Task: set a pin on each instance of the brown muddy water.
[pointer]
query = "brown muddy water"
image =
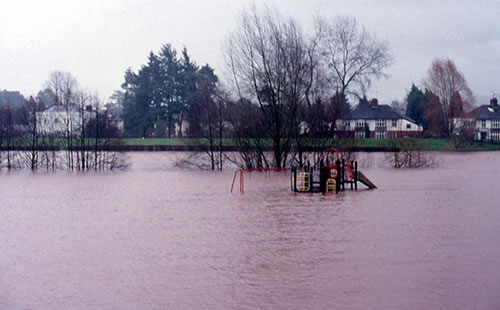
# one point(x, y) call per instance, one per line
point(156, 237)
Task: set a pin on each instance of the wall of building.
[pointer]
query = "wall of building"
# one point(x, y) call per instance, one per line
point(485, 129)
point(373, 125)
point(58, 122)
point(488, 129)
point(379, 129)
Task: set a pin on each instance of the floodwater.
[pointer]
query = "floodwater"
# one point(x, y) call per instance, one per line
point(156, 237)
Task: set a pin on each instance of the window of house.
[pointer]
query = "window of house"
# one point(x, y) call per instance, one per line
point(360, 123)
point(381, 123)
point(379, 134)
point(347, 124)
point(359, 134)
point(495, 135)
point(394, 123)
point(408, 126)
point(495, 123)
point(483, 123)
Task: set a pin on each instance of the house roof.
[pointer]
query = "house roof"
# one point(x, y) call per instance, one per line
point(489, 112)
point(376, 111)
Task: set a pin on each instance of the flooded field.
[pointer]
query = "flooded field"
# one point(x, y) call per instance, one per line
point(156, 237)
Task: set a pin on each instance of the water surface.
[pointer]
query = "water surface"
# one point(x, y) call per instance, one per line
point(156, 237)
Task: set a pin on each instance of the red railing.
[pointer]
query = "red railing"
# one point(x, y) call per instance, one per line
point(326, 152)
point(242, 177)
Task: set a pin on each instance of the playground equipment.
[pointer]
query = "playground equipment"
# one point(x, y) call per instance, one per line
point(241, 172)
point(333, 175)
point(328, 178)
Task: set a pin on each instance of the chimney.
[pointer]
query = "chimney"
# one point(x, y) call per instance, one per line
point(494, 102)
point(374, 102)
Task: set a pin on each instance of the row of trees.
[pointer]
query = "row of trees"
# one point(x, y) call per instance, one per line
point(283, 86)
point(75, 133)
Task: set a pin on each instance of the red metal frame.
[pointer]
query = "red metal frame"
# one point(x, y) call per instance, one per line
point(338, 153)
point(242, 177)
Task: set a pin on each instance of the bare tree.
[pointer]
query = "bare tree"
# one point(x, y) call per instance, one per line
point(49, 156)
point(90, 138)
point(269, 63)
point(99, 155)
point(65, 88)
point(84, 113)
point(464, 131)
point(7, 135)
point(3, 130)
point(102, 138)
point(206, 116)
point(351, 55)
point(409, 153)
point(30, 154)
point(249, 129)
point(450, 86)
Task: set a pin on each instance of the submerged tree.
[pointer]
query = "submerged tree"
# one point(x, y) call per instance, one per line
point(248, 130)
point(268, 59)
point(409, 153)
point(207, 115)
point(31, 135)
point(65, 88)
point(7, 135)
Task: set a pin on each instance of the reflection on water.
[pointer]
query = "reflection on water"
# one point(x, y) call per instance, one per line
point(155, 237)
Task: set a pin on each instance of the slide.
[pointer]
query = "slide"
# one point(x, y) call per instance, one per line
point(364, 180)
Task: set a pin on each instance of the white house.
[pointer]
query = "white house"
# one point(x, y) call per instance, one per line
point(59, 119)
point(377, 121)
point(488, 121)
point(483, 122)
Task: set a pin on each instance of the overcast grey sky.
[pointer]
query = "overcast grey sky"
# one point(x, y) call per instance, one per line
point(97, 40)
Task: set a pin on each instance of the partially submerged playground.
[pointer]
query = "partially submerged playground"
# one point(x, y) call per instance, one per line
point(331, 175)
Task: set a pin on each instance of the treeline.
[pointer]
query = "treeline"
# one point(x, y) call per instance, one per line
point(283, 87)
point(63, 127)
point(284, 90)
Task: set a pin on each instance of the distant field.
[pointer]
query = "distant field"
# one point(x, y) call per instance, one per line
point(160, 141)
point(189, 144)
point(427, 144)
point(173, 142)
